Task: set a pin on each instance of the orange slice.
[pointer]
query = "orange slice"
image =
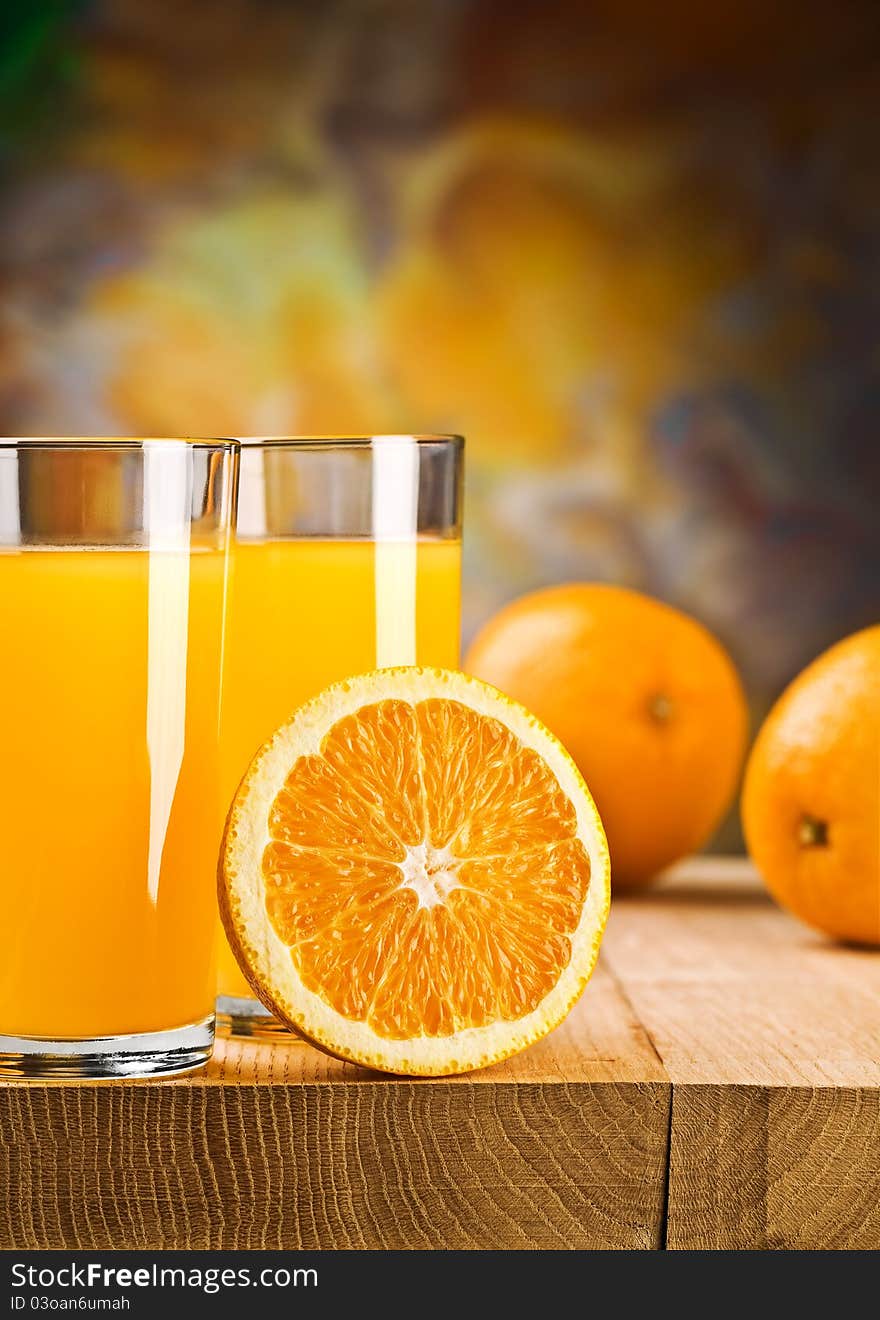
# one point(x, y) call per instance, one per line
point(414, 875)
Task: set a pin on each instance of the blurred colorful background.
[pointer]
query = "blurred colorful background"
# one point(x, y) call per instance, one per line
point(631, 250)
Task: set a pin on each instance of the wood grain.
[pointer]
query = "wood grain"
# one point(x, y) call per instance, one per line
point(282, 1147)
point(770, 1036)
point(774, 1168)
point(718, 1086)
point(600, 1041)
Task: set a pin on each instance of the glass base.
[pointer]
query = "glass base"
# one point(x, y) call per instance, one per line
point(101, 1058)
point(248, 1017)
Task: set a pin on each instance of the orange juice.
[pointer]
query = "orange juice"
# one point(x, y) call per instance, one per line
point(109, 693)
point(304, 613)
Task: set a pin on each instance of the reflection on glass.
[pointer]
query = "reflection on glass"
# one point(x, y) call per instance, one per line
point(113, 560)
point(348, 558)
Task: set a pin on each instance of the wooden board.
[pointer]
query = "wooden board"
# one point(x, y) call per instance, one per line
point(280, 1146)
point(721, 1049)
point(770, 1035)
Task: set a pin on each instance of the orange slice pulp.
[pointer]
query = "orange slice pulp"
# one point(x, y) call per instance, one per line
point(414, 875)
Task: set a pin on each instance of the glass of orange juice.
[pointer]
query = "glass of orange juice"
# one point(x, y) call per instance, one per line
point(347, 558)
point(113, 567)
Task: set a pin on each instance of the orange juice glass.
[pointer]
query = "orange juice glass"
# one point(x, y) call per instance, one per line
point(347, 558)
point(113, 568)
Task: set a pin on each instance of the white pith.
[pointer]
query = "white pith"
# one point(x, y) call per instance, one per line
point(430, 872)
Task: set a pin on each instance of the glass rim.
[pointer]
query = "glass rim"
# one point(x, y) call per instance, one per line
point(113, 444)
point(322, 442)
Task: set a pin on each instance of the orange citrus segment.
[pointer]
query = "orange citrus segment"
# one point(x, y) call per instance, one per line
point(414, 874)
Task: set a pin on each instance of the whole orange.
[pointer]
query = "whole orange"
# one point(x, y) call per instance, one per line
point(811, 801)
point(646, 700)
